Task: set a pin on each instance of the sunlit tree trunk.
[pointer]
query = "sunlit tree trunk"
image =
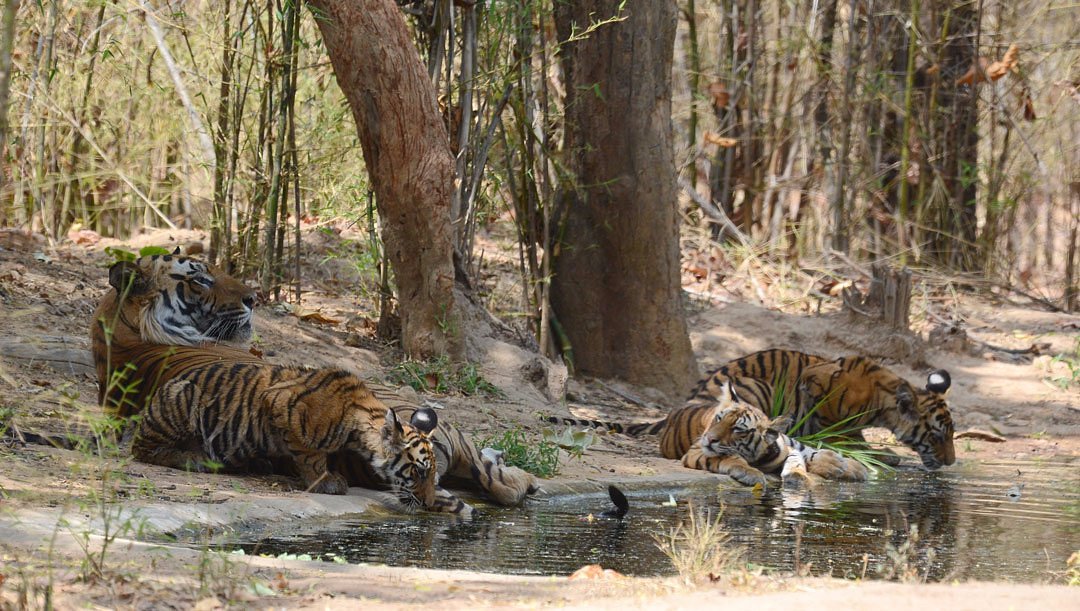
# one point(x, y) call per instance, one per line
point(407, 153)
point(616, 287)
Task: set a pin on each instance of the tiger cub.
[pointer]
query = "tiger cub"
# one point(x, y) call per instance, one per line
point(256, 412)
point(744, 443)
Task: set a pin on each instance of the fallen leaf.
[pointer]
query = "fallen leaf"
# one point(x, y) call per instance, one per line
point(721, 141)
point(595, 571)
point(316, 316)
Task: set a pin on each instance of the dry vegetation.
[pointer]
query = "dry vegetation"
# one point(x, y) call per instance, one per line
point(131, 115)
point(793, 121)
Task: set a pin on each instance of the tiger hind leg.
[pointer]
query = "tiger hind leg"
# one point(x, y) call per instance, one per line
point(830, 465)
point(487, 470)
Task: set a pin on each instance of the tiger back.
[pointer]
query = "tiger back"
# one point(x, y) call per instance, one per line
point(779, 368)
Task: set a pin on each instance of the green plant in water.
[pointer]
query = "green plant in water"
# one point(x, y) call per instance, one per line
point(699, 546)
point(541, 458)
point(441, 376)
point(836, 437)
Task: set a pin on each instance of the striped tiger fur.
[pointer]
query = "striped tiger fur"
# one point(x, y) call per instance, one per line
point(747, 445)
point(161, 299)
point(160, 305)
point(849, 393)
point(194, 421)
point(853, 393)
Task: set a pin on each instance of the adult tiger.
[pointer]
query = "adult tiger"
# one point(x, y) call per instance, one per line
point(848, 394)
point(162, 299)
point(741, 441)
point(163, 310)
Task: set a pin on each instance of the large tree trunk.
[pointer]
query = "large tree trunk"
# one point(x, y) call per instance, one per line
point(616, 287)
point(407, 152)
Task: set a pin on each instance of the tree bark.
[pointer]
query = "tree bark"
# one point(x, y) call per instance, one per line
point(616, 288)
point(960, 141)
point(407, 153)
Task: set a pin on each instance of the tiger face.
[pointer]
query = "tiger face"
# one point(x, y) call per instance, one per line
point(174, 300)
point(739, 429)
point(410, 466)
point(925, 424)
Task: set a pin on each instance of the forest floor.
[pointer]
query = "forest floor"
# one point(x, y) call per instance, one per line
point(51, 519)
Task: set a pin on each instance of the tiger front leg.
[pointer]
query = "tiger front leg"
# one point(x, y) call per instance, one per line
point(733, 466)
point(165, 434)
point(312, 467)
point(446, 502)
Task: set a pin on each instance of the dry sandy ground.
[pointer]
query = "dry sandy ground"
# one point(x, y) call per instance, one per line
point(53, 294)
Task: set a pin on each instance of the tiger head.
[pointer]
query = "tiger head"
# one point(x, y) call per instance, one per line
point(736, 428)
point(924, 423)
point(175, 300)
point(409, 463)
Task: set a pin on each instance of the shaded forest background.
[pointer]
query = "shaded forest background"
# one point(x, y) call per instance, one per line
point(936, 133)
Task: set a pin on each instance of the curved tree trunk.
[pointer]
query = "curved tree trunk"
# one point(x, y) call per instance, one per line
point(407, 153)
point(616, 288)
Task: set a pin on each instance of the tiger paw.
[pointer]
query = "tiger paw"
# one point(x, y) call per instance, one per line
point(749, 477)
point(330, 483)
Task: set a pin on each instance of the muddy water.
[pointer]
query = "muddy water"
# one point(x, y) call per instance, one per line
point(1005, 521)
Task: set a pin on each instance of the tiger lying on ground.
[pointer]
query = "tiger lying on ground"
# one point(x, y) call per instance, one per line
point(742, 442)
point(849, 393)
point(161, 321)
point(302, 415)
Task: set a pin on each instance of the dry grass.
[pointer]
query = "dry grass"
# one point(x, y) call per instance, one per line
point(699, 547)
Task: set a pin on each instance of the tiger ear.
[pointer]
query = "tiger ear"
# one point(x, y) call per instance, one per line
point(128, 278)
point(392, 430)
point(905, 401)
point(938, 382)
point(424, 419)
point(781, 424)
point(731, 391)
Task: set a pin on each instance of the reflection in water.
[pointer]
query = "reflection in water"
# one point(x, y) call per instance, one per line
point(968, 528)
